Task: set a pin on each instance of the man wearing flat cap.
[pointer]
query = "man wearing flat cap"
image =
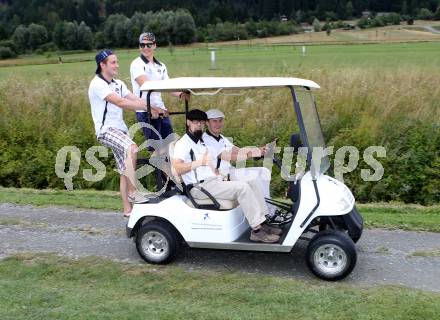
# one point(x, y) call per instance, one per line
point(108, 97)
point(146, 68)
point(192, 161)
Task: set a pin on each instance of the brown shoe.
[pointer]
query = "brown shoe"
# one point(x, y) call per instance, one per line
point(261, 235)
point(271, 230)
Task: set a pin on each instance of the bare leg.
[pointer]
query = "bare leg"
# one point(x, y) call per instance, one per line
point(130, 168)
point(123, 186)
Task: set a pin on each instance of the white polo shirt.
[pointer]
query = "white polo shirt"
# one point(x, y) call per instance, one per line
point(182, 150)
point(99, 89)
point(216, 145)
point(153, 70)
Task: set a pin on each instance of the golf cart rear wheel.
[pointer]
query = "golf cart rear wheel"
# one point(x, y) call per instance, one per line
point(157, 242)
point(331, 255)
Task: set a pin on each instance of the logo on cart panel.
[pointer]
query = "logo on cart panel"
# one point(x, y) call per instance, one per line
point(206, 217)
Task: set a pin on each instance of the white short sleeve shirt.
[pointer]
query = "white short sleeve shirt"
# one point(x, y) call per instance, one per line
point(153, 70)
point(182, 150)
point(216, 145)
point(99, 89)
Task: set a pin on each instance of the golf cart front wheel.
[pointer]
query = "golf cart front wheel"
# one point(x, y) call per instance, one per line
point(331, 255)
point(157, 242)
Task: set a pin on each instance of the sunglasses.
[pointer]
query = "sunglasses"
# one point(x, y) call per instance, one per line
point(148, 45)
point(198, 122)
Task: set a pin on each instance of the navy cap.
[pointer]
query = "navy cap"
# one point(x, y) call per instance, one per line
point(101, 56)
point(196, 114)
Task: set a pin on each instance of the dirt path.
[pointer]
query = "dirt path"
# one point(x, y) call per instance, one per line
point(384, 256)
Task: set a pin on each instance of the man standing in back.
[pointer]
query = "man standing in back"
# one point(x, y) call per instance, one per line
point(146, 68)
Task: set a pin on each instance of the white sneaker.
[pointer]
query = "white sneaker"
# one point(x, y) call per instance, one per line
point(137, 197)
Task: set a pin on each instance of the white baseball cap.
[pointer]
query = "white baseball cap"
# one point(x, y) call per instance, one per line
point(214, 114)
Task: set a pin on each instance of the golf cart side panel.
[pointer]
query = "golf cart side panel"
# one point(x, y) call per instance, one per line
point(308, 201)
point(195, 225)
point(335, 200)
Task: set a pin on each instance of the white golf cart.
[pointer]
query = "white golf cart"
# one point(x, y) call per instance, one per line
point(321, 205)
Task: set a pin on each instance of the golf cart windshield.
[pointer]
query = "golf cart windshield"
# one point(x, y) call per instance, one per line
point(312, 136)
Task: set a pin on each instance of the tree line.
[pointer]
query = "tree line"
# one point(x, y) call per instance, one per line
point(29, 26)
point(118, 31)
point(94, 12)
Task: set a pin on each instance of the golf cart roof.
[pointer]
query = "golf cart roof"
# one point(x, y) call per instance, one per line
point(220, 83)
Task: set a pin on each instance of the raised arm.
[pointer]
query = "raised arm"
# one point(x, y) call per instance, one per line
point(240, 154)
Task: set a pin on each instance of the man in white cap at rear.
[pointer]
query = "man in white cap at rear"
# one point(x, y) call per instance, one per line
point(226, 151)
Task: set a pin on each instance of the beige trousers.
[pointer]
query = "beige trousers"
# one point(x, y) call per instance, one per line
point(257, 177)
point(250, 198)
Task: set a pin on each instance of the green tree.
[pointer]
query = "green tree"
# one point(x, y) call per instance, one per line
point(425, 14)
point(120, 32)
point(3, 32)
point(70, 31)
point(299, 16)
point(251, 27)
point(404, 9)
point(58, 34)
point(137, 23)
point(437, 14)
point(115, 30)
point(6, 52)
point(392, 18)
point(100, 41)
point(184, 29)
point(349, 10)
point(316, 25)
point(163, 25)
point(37, 35)
point(363, 23)
point(21, 38)
point(85, 37)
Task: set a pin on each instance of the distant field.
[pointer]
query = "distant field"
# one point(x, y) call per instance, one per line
point(402, 33)
point(389, 34)
point(243, 60)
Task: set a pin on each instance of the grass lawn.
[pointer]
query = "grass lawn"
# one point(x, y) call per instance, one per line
point(393, 216)
point(51, 287)
point(87, 199)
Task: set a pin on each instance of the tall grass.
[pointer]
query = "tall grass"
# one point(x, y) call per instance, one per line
point(360, 107)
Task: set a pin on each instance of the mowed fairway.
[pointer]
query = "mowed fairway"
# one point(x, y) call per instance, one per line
point(243, 60)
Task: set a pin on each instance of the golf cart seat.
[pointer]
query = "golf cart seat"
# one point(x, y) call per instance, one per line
point(224, 204)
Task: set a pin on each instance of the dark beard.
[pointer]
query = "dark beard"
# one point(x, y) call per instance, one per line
point(198, 134)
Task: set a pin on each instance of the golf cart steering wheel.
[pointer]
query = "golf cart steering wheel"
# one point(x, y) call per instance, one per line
point(295, 143)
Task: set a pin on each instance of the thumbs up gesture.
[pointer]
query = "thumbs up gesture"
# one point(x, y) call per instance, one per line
point(206, 159)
